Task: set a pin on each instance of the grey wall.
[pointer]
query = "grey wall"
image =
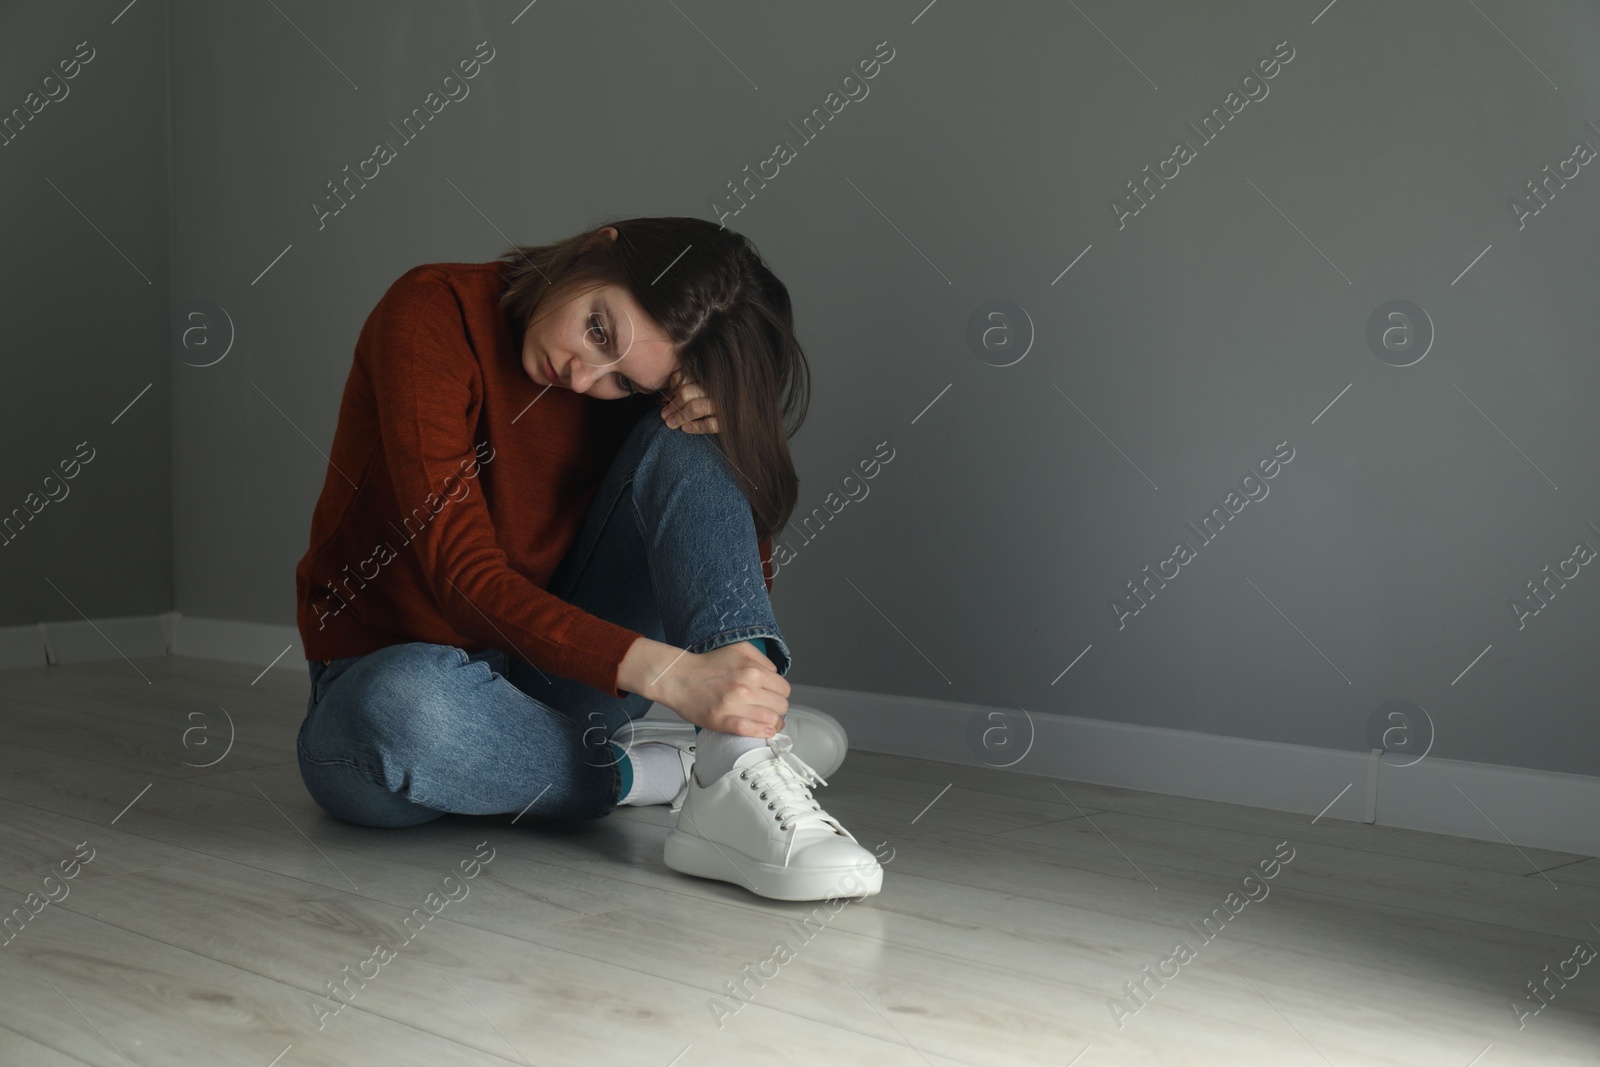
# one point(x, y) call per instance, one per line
point(1220, 320)
point(83, 177)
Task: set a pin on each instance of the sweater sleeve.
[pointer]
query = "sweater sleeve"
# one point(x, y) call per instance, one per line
point(428, 388)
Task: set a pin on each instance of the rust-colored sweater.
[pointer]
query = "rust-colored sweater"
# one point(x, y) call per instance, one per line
point(449, 501)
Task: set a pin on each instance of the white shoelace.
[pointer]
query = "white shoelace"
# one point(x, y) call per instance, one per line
point(784, 781)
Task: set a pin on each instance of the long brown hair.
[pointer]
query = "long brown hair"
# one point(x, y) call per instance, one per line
point(731, 318)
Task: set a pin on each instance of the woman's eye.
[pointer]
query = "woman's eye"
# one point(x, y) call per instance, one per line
point(597, 328)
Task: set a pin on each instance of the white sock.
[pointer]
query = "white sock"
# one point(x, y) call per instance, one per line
point(715, 753)
point(657, 774)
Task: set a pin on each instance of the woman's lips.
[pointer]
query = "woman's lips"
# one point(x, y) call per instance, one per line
point(550, 372)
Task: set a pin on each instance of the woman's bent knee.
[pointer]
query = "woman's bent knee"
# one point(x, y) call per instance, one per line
point(351, 794)
point(400, 696)
point(372, 730)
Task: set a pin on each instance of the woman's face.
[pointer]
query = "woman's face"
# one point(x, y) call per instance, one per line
point(599, 343)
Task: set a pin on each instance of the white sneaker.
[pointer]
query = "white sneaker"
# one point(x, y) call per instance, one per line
point(819, 740)
point(759, 826)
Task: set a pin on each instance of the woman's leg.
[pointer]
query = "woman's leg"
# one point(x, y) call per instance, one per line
point(668, 549)
point(405, 734)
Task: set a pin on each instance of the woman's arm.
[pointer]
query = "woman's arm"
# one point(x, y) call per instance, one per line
point(734, 689)
point(427, 388)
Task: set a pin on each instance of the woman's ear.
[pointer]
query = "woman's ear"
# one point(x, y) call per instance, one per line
point(595, 237)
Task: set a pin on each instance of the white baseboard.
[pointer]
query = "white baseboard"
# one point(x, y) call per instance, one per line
point(170, 633)
point(238, 642)
point(22, 646)
point(78, 641)
point(1539, 809)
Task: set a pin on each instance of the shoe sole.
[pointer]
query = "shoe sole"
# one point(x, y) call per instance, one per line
point(689, 854)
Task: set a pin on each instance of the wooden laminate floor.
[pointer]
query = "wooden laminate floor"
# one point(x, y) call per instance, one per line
point(220, 903)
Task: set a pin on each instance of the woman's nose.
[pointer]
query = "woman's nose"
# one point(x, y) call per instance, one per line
point(583, 375)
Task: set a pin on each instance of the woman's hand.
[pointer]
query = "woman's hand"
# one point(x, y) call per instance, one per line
point(734, 689)
point(685, 404)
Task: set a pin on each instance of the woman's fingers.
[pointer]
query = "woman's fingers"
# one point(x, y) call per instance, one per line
point(747, 727)
point(761, 712)
point(686, 411)
point(747, 722)
point(694, 415)
point(733, 689)
point(686, 404)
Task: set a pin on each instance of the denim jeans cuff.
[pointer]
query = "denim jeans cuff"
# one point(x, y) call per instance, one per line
point(777, 650)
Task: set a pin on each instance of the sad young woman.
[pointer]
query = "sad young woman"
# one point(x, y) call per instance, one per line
point(549, 504)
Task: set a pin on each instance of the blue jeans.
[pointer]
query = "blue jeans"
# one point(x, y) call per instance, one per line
point(400, 736)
